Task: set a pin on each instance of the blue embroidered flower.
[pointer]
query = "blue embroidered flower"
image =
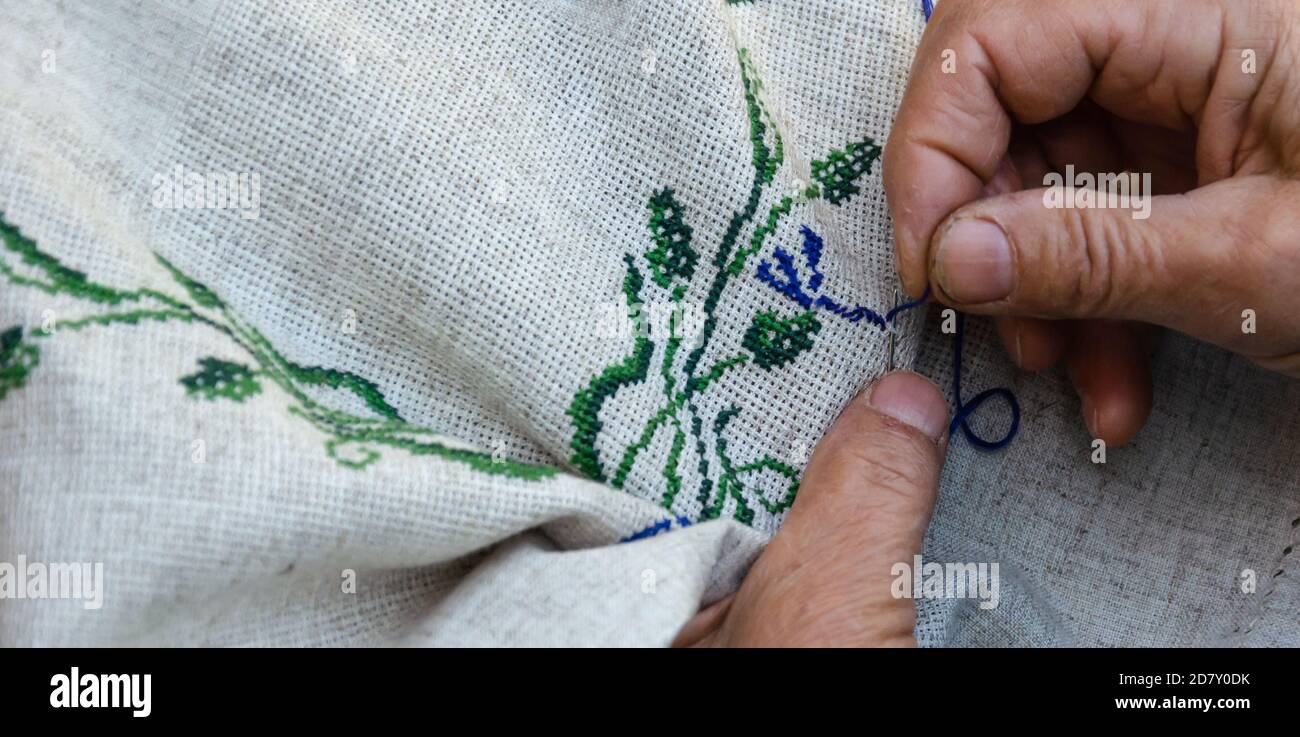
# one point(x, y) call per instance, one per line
point(790, 283)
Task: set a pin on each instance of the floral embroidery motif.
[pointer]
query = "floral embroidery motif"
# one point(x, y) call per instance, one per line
point(353, 438)
point(771, 341)
point(791, 284)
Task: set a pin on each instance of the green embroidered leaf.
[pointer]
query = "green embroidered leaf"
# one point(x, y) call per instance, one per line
point(775, 342)
point(839, 172)
point(585, 408)
point(217, 378)
point(363, 388)
point(59, 279)
point(17, 359)
point(672, 255)
point(201, 294)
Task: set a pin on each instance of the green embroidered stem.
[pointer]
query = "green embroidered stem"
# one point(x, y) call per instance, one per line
point(476, 460)
point(630, 453)
point(716, 372)
point(670, 467)
point(199, 293)
point(130, 318)
point(362, 388)
point(224, 379)
point(66, 281)
point(585, 408)
point(706, 483)
point(727, 484)
point(674, 342)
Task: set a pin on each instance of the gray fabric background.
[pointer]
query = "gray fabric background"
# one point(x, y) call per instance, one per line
point(1147, 549)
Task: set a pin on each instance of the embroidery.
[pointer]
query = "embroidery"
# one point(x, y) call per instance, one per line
point(661, 526)
point(791, 284)
point(222, 379)
point(353, 438)
point(771, 341)
point(17, 359)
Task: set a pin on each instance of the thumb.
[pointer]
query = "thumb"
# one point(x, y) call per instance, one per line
point(863, 506)
point(1189, 265)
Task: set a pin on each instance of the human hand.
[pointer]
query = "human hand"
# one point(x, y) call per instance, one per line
point(1204, 95)
point(863, 506)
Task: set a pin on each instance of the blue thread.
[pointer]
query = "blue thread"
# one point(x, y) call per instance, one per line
point(812, 251)
point(792, 288)
point(658, 527)
point(925, 297)
point(928, 7)
point(857, 314)
point(964, 411)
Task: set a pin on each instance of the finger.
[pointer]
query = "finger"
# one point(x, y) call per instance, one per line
point(1031, 61)
point(1193, 265)
point(701, 629)
point(1110, 366)
point(1032, 344)
point(863, 506)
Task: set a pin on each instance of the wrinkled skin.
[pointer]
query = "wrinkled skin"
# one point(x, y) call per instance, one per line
point(1155, 87)
point(1108, 86)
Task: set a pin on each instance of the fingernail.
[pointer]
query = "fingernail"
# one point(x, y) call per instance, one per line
point(974, 262)
point(912, 400)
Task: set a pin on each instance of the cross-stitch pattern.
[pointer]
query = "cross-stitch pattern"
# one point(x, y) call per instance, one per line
point(771, 341)
point(353, 438)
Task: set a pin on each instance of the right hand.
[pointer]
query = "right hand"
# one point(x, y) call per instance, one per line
point(1163, 86)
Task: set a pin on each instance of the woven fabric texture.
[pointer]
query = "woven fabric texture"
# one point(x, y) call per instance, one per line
point(347, 323)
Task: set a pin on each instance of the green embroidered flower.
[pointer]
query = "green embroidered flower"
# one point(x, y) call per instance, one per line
point(17, 359)
point(221, 379)
point(839, 173)
point(672, 255)
point(775, 342)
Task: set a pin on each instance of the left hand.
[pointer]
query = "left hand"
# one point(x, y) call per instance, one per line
point(863, 506)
